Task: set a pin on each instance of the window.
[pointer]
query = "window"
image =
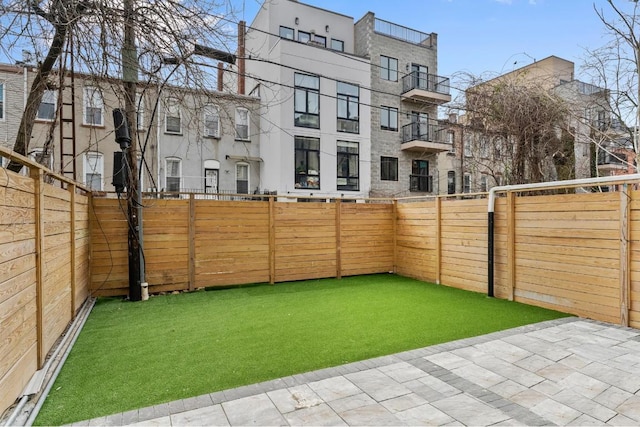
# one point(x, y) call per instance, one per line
point(320, 40)
point(140, 111)
point(451, 182)
point(242, 178)
point(307, 101)
point(419, 178)
point(451, 142)
point(173, 174)
point(484, 147)
point(1, 101)
point(47, 108)
point(388, 168)
point(173, 117)
point(466, 183)
point(348, 107)
point(388, 118)
point(388, 68)
point(211, 119)
point(467, 146)
point(242, 123)
point(304, 37)
point(483, 183)
point(348, 164)
point(93, 106)
point(337, 45)
point(307, 157)
point(93, 170)
point(286, 33)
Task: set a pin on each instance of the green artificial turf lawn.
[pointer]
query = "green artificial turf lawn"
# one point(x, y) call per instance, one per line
point(133, 355)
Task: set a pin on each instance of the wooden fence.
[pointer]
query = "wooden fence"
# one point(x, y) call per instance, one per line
point(194, 243)
point(578, 253)
point(44, 268)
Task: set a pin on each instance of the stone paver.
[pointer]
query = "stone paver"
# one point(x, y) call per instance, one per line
point(565, 372)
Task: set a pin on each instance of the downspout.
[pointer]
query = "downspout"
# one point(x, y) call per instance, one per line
point(537, 186)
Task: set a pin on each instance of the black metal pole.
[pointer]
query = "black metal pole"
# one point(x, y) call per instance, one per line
point(490, 254)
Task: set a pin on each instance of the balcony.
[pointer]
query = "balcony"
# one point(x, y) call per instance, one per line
point(612, 161)
point(424, 137)
point(424, 87)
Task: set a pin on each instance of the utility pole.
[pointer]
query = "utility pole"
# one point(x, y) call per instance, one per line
point(134, 213)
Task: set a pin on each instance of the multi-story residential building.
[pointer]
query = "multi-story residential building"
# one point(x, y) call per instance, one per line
point(406, 91)
point(315, 115)
point(476, 163)
point(194, 140)
point(348, 109)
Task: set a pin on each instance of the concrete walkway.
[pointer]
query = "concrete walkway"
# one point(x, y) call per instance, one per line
point(564, 372)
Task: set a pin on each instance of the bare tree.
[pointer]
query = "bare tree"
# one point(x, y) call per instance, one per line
point(519, 124)
point(166, 29)
point(615, 67)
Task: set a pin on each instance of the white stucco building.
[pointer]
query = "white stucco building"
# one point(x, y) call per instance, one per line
point(315, 118)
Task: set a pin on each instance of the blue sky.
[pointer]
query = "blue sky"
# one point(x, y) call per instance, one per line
point(486, 37)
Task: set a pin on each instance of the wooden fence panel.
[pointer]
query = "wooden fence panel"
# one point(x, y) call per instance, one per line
point(109, 248)
point(18, 308)
point(464, 244)
point(57, 264)
point(416, 243)
point(305, 241)
point(366, 238)
point(82, 250)
point(231, 243)
point(568, 252)
point(166, 244)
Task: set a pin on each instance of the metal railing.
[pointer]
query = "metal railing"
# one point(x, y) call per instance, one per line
point(425, 81)
point(424, 132)
point(403, 33)
point(421, 183)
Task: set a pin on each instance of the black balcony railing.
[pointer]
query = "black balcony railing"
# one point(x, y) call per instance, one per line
point(605, 158)
point(422, 183)
point(423, 132)
point(426, 82)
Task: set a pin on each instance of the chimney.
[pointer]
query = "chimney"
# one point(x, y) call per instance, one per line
point(220, 76)
point(241, 55)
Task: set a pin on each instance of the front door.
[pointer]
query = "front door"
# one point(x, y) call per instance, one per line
point(419, 73)
point(211, 180)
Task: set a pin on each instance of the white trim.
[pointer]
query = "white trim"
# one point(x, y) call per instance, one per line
point(92, 98)
point(96, 166)
point(166, 171)
point(211, 110)
point(248, 168)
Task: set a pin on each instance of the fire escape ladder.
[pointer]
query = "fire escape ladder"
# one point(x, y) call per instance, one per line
point(67, 113)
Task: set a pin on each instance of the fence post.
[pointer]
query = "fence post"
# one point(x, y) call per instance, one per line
point(438, 239)
point(72, 244)
point(338, 239)
point(625, 279)
point(38, 192)
point(395, 236)
point(192, 242)
point(272, 240)
point(511, 244)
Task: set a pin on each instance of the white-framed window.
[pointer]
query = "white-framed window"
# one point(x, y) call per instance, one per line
point(140, 111)
point(211, 120)
point(467, 146)
point(93, 167)
point(242, 178)
point(93, 107)
point(483, 183)
point(242, 123)
point(47, 108)
point(2, 115)
point(173, 117)
point(173, 175)
point(466, 183)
